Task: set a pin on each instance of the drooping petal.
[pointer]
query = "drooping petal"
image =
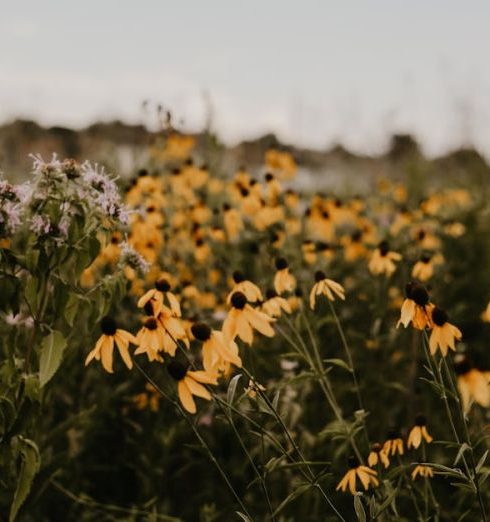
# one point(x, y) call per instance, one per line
point(185, 396)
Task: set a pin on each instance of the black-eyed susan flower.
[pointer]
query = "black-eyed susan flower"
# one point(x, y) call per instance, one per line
point(217, 353)
point(150, 398)
point(423, 269)
point(157, 296)
point(284, 281)
point(250, 290)
point(243, 319)
point(444, 334)
point(151, 338)
point(367, 477)
point(421, 470)
point(393, 443)
point(473, 384)
point(326, 287)
point(378, 455)
point(190, 383)
point(274, 304)
point(104, 347)
point(416, 307)
point(296, 300)
point(418, 432)
point(383, 260)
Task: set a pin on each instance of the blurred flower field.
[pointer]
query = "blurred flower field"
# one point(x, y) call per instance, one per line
point(194, 344)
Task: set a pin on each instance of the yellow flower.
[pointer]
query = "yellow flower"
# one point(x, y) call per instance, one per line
point(151, 338)
point(157, 295)
point(283, 280)
point(217, 353)
point(443, 334)
point(378, 454)
point(366, 475)
point(418, 432)
point(295, 301)
point(250, 290)
point(242, 319)
point(104, 347)
point(382, 260)
point(485, 316)
point(422, 471)
point(233, 222)
point(190, 383)
point(394, 443)
point(274, 304)
point(423, 270)
point(416, 308)
point(327, 287)
point(473, 384)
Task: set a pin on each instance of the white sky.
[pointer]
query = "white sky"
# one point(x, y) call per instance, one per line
point(314, 72)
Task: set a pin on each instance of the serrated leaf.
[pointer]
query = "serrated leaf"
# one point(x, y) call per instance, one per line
point(359, 509)
point(52, 348)
point(28, 470)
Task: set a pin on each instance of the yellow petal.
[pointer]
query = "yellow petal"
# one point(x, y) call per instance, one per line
point(185, 397)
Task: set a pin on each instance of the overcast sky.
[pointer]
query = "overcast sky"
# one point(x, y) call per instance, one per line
point(314, 72)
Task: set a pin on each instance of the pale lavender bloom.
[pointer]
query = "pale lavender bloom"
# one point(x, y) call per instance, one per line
point(102, 192)
point(134, 259)
point(39, 166)
point(10, 215)
point(40, 224)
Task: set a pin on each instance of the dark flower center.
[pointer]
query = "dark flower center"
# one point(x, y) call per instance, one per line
point(238, 300)
point(108, 326)
point(177, 370)
point(270, 293)
point(162, 285)
point(384, 248)
point(238, 277)
point(281, 263)
point(325, 214)
point(425, 258)
point(148, 308)
point(353, 462)
point(376, 447)
point(269, 177)
point(201, 331)
point(199, 242)
point(420, 420)
point(439, 316)
point(114, 240)
point(319, 276)
point(356, 236)
point(298, 292)
point(416, 292)
point(226, 207)
point(244, 192)
point(151, 323)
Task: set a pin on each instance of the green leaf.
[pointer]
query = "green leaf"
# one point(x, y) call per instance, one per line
point(230, 394)
point(340, 363)
point(359, 509)
point(294, 494)
point(52, 349)
point(29, 468)
point(481, 461)
point(243, 517)
point(462, 449)
point(71, 308)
